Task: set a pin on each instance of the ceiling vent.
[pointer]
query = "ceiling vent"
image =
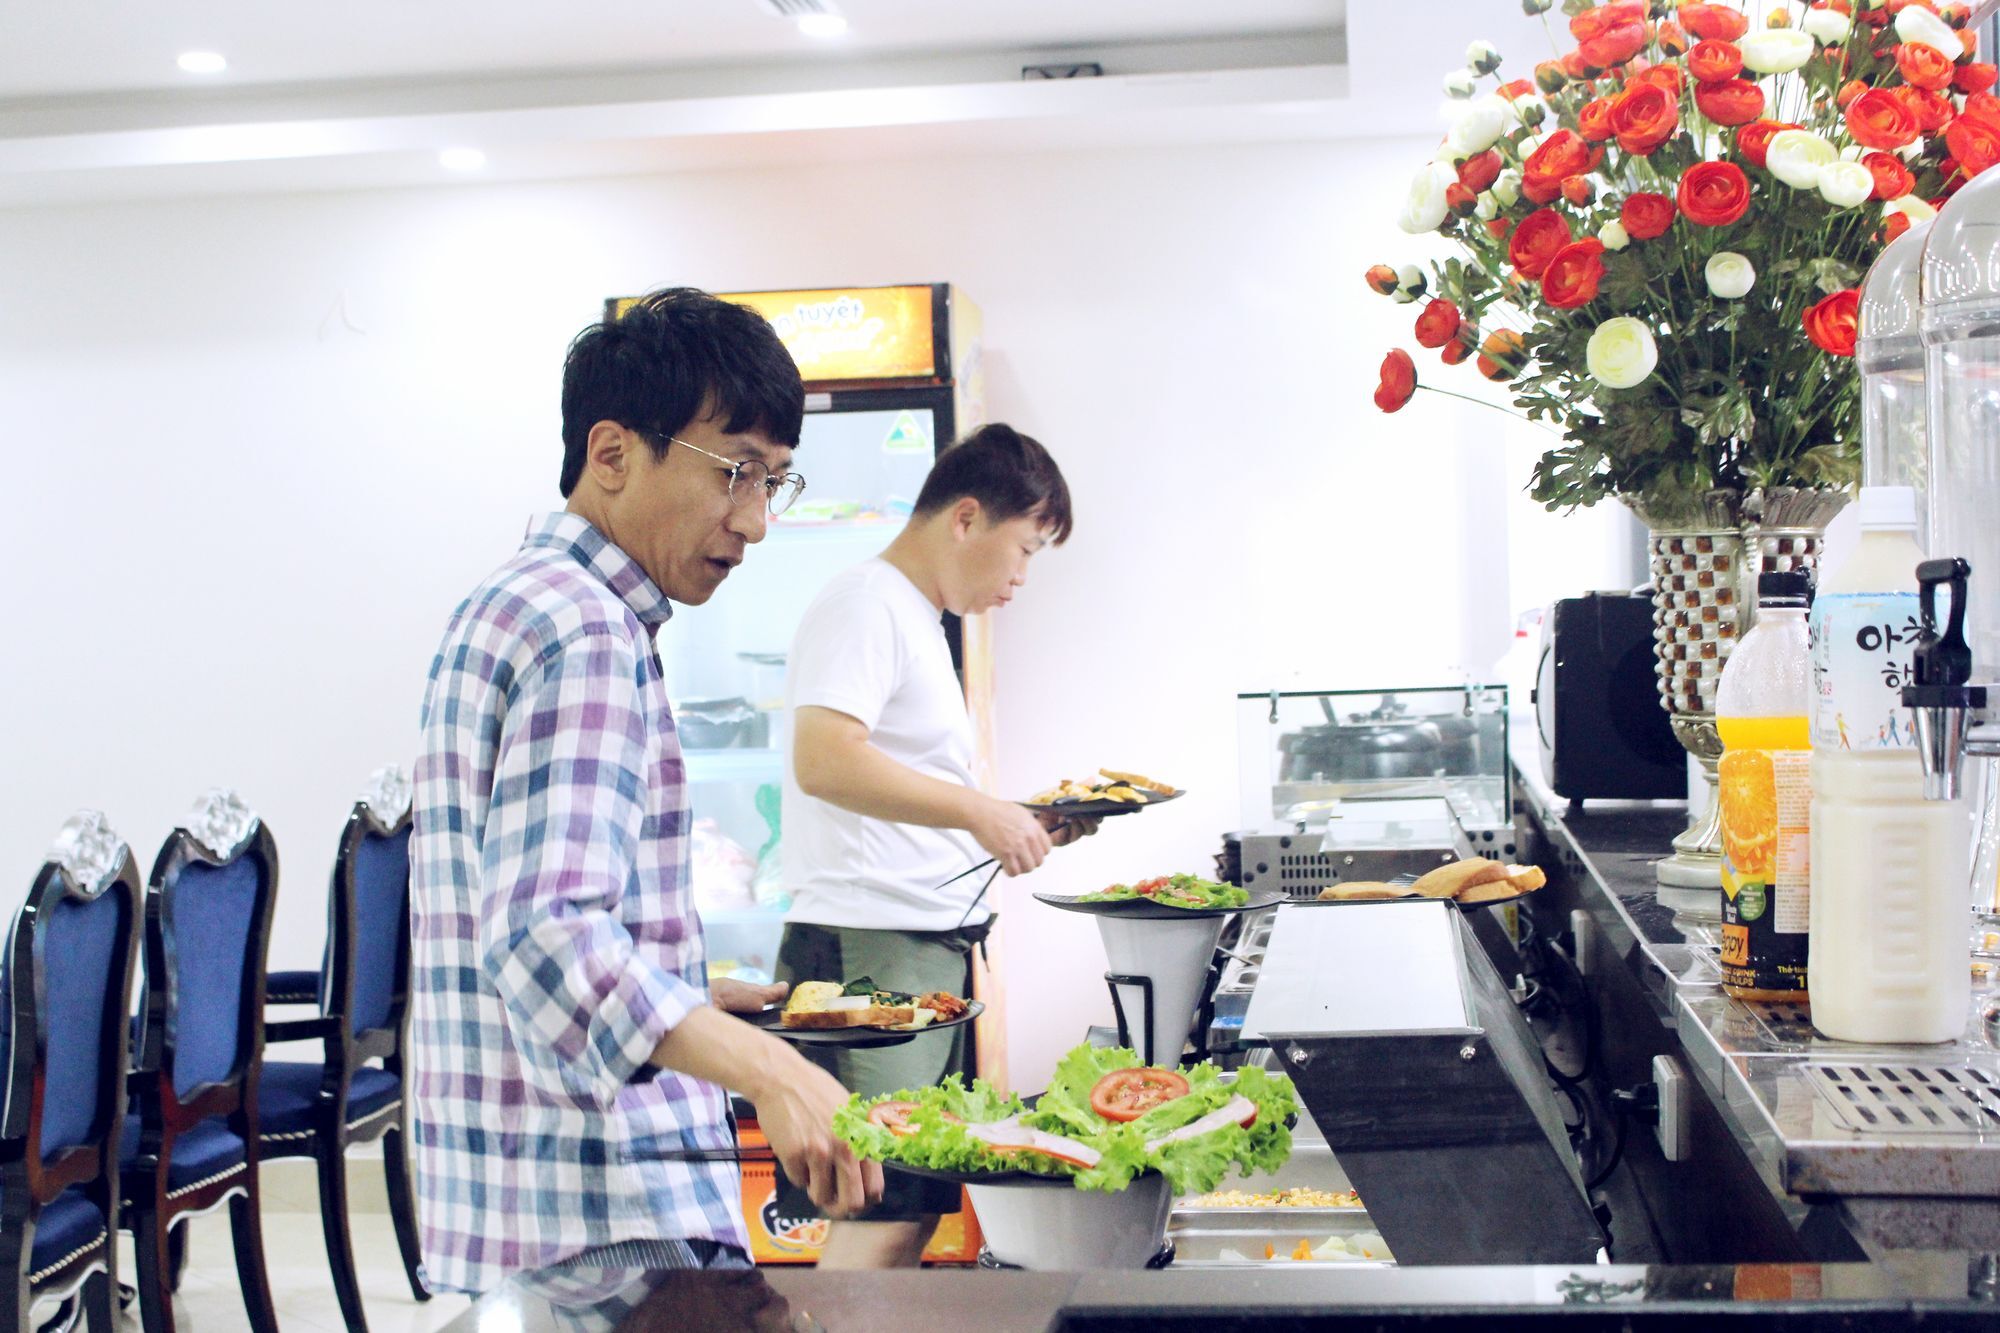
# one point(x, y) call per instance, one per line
point(795, 9)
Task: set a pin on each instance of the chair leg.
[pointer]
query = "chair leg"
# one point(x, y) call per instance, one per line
point(403, 1212)
point(15, 1241)
point(332, 1164)
point(177, 1254)
point(149, 1248)
point(97, 1304)
point(246, 1230)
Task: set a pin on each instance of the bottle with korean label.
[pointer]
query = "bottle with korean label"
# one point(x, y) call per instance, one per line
point(1765, 787)
point(1888, 866)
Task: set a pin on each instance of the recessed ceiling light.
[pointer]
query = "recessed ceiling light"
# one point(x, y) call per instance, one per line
point(202, 62)
point(822, 25)
point(461, 159)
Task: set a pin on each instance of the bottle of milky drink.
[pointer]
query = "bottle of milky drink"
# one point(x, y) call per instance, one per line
point(1765, 783)
point(1889, 868)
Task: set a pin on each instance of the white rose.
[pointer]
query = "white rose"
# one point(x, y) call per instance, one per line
point(1613, 235)
point(1796, 157)
point(1478, 127)
point(1919, 25)
point(1729, 275)
point(1482, 57)
point(1507, 188)
point(1828, 25)
point(1911, 207)
point(1459, 84)
point(1486, 207)
point(1621, 353)
point(1775, 50)
point(1425, 208)
point(1846, 184)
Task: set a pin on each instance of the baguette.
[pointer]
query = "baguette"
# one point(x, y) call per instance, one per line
point(1453, 880)
point(1364, 891)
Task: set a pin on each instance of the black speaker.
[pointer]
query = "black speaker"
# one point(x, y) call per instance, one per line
point(1604, 735)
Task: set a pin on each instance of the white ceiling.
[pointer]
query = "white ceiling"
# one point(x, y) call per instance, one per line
point(365, 94)
point(52, 48)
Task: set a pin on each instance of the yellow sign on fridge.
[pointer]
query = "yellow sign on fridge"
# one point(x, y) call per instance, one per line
point(848, 333)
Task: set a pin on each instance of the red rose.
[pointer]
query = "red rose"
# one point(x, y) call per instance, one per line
point(1500, 355)
point(1850, 90)
point(1497, 228)
point(1974, 142)
point(1398, 381)
point(1646, 216)
point(1714, 23)
point(1976, 77)
point(1892, 179)
point(1578, 190)
point(1729, 101)
point(1438, 323)
point(1479, 173)
point(1924, 66)
point(1645, 116)
point(1932, 111)
point(1715, 60)
point(1831, 324)
point(1561, 154)
point(1536, 240)
point(1573, 274)
point(1897, 224)
point(1880, 119)
point(1594, 120)
point(1983, 106)
point(1754, 139)
point(1668, 77)
point(1516, 90)
point(1714, 194)
point(1462, 344)
point(1597, 21)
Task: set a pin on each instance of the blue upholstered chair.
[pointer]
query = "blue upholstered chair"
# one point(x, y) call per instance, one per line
point(65, 986)
point(193, 1143)
point(316, 1110)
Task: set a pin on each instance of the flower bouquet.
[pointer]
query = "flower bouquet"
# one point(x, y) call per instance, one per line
point(1661, 234)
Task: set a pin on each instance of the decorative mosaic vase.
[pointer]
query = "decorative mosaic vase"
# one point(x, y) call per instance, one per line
point(1705, 564)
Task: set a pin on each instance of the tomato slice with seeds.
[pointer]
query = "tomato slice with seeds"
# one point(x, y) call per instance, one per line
point(1127, 1094)
point(895, 1117)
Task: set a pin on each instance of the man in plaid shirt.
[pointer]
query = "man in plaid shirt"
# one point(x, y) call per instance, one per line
point(568, 1053)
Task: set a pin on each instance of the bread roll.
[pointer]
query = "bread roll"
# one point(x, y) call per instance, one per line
point(1519, 880)
point(1452, 880)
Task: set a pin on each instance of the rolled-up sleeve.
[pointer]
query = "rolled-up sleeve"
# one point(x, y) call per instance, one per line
point(585, 1009)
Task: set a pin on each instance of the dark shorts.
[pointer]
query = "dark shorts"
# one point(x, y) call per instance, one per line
point(915, 961)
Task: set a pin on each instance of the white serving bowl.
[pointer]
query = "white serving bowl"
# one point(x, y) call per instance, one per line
point(1054, 1226)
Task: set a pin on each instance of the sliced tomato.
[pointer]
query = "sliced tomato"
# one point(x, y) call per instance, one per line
point(893, 1116)
point(1127, 1094)
point(1149, 887)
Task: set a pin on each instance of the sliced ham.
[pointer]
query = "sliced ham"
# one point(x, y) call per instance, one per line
point(1238, 1111)
point(1010, 1135)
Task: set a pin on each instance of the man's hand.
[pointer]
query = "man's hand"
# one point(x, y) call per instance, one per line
point(795, 1106)
point(1064, 830)
point(740, 997)
point(1011, 835)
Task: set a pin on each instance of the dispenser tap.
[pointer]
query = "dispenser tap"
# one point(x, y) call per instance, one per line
point(1950, 713)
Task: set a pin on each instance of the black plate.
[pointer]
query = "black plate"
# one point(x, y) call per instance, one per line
point(1414, 898)
point(858, 1039)
point(1140, 909)
point(1099, 809)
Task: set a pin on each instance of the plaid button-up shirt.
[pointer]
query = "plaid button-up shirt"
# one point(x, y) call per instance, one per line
point(554, 940)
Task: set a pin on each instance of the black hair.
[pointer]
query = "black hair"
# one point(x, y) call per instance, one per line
point(672, 355)
point(1009, 473)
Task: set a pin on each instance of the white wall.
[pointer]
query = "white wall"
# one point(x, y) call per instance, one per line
point(256, 448)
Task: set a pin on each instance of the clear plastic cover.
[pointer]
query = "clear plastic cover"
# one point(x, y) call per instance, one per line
point(1890, 354)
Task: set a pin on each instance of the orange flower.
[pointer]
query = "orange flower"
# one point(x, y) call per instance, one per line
point(1479, 172)
point(1500, 356)
point(1892, 179)
point(1382, 279)
point(1438, 324)
point(1672, 39)
point(1578, 190)
point(1464, 342)
point(1729, 101)
point(1754, 139)
point(1832, 323)
point(1713, 194)
point(1573, 275)
point(1644, 117)
point(1880, 119)
point(1717, 23)
point(1561, 155)
point(1975, 142)
point(1668, 77)
point(1924, 66)
point(1977, 77)
point(1850, 90)
point(1932, 111)
point(1516, 90)
point(1610, 34)
point(1646, 216)
point(1536, 240)
point(1593, 122)
point(1398, 381)
point(1715, 60)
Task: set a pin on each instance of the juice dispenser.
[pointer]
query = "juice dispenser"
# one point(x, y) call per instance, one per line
point(1955, 717)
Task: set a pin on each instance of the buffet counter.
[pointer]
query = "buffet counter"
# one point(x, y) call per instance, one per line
point(1788, 1146)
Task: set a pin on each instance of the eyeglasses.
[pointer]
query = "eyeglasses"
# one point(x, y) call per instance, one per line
point(751, 477)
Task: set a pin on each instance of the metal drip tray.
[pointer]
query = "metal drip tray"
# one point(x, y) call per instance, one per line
point(1909, 1099)
point(1785, 1023)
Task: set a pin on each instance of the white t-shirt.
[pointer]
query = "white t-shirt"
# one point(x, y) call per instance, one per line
point(872, 646)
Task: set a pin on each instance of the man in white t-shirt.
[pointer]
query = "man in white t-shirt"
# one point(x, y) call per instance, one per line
point(882, 817)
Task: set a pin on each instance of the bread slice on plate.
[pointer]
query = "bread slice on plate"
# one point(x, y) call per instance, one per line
point(1452, 880)
point(1518, 880)
point(1364, 891)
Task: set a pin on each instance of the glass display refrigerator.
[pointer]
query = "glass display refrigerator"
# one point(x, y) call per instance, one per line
point(892, 375)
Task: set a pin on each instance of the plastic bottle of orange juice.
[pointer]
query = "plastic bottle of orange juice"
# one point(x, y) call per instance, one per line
point(1765, 779)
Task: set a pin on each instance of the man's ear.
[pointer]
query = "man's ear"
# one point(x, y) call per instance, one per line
point(965, 513)
point(607, 455)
